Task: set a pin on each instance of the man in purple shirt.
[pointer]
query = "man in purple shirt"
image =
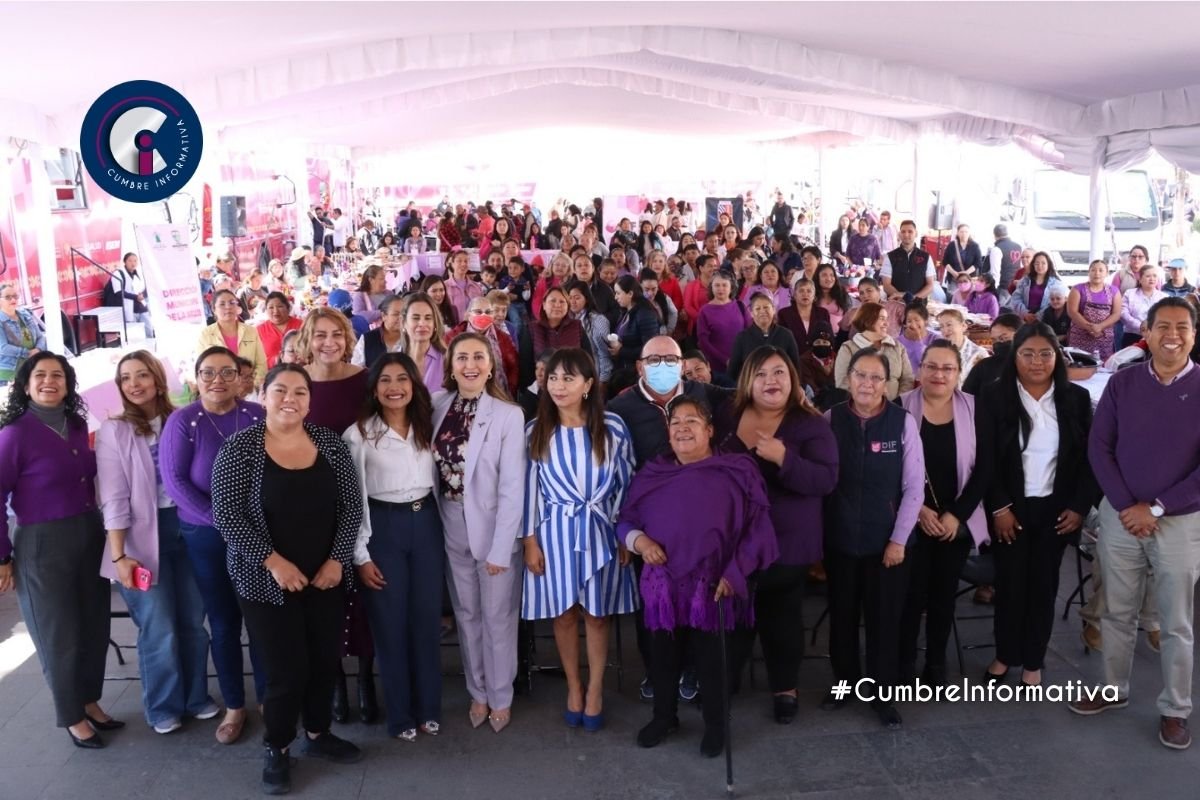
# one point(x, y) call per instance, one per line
point(1150, 517)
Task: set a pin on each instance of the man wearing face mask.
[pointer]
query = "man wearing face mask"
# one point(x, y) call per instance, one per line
point(988, 370)
point(642, 407)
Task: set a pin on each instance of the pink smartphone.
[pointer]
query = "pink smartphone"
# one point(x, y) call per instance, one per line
point(141, 579)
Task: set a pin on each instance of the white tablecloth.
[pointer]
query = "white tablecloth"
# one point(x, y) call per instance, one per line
point(1095, 385)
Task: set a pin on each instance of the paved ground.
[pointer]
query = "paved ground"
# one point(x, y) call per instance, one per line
point(961, 751)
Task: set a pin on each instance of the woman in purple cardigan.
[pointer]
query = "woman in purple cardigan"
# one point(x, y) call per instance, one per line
point(47, 472)
point(718, 538)
point(191, 438)
point(143, 531)
point(793, 447)
point(951, 519)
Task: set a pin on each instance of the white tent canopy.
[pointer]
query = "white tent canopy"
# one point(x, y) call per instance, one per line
point(1087, 85)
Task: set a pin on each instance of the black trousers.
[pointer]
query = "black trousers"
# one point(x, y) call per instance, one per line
point(1027, 586)
point(934, 568)
point(779, 624)
point(861, 587)
point(299, 643)
point(667, 649)
point(65, 605)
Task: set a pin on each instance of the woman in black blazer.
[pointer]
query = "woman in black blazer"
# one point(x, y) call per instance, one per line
point(1033, 414)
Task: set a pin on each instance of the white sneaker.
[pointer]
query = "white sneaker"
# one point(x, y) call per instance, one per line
point(209, 711)
point(169, 726)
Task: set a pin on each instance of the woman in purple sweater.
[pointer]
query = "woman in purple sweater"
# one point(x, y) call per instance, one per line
point(794, 449)
point(188, 447)
point(697, 553)
point(48, 473)
point(720, 321)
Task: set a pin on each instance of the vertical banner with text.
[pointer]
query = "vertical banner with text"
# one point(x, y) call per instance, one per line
point(172, 290)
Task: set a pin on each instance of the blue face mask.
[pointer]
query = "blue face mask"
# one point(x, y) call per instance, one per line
point(663, 378)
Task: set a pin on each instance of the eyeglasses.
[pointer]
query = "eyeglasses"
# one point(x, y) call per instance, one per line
point(874, 380)
point(9, 297)
point(944, 369)
point(670, 361)
point(208, 375)
point(1035, 355)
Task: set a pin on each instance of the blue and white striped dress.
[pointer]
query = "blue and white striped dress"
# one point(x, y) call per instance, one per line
point(571, 505)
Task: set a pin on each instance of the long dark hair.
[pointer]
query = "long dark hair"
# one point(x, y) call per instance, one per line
point(446, 308)
point(18, 396)
point(163, 407)
point(573, 362)
point(1051, 272)
point(837, 294)
point(420, 407)
point(744, 398)
point(630, 285)
point(1013, 411)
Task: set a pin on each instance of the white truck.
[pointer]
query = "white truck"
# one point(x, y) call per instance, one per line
point(1056, 216)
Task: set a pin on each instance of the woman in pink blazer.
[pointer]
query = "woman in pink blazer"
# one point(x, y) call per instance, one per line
point(479, 449)
point(143, 532)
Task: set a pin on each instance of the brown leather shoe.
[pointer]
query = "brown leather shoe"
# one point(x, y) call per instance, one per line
point(1091, 638)
point(983, 595)
point(1154, 639)
point(1096, 705)
point(1173, 733)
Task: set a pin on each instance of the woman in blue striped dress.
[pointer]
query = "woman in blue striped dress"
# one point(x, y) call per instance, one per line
point(580, 461)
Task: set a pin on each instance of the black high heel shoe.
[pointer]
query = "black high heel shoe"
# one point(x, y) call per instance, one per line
point(109, 724)
point(93, 742)
point(368, 705)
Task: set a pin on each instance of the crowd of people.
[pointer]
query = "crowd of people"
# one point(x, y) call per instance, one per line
point(521, 440)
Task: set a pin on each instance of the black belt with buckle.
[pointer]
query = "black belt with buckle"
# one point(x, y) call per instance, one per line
point(415, 505)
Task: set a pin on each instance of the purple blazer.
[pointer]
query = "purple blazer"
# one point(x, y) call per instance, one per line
point(493, 477)
point(128, 494)
point(964, 442)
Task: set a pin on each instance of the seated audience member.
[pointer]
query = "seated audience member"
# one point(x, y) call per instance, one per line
point(987, 370)
point(1056, 315)
point(696, 368)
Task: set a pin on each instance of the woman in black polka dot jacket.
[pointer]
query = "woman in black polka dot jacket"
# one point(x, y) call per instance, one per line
point(286, 499)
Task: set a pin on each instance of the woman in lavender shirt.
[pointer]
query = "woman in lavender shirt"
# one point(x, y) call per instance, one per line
point(191, 438)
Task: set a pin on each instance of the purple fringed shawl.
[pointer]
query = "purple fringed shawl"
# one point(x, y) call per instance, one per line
point(713, 520)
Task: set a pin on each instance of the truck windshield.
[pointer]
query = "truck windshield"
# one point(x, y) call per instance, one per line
point(1063, 197)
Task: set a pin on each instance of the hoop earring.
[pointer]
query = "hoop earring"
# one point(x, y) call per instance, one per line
point(585, 394)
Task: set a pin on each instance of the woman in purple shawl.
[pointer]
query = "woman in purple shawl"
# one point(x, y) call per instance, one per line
point(701, 522)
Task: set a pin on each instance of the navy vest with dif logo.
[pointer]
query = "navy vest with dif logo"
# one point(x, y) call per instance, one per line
point(862, 509)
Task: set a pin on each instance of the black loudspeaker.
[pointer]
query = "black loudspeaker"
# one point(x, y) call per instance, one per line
point(233, 216)
point(941, 215)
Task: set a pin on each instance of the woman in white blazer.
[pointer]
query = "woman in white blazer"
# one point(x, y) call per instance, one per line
point(479, 449)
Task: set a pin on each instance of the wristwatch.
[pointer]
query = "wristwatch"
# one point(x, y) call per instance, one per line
point(1157, 510)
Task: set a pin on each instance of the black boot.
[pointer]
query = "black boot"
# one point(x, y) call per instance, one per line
point(368, 707)
point(341, 702)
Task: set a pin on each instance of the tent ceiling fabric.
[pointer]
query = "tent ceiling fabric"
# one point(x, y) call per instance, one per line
point(373, 75)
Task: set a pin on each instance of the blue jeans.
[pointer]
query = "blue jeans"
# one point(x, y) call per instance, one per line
point(172, 643)
point(206, 551)
point(405, 615)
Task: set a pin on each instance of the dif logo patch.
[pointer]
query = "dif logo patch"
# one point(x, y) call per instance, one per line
point(141, 141)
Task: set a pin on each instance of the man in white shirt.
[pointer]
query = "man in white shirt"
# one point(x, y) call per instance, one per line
point(885, 233)
point(341, 230)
